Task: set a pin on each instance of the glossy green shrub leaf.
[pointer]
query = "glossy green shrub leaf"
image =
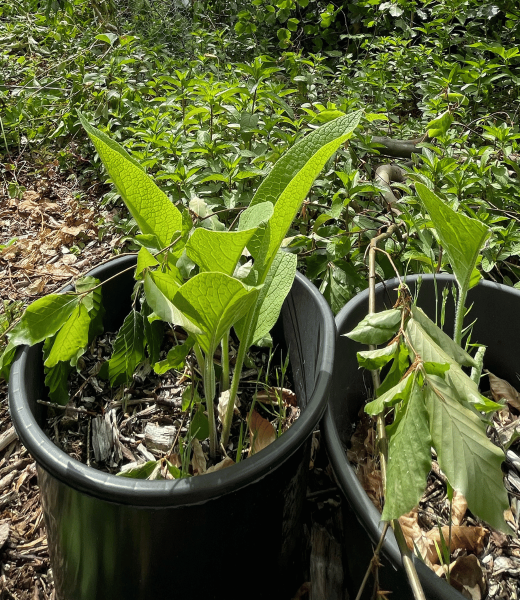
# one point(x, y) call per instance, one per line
point(175, 359)
point(140, 471)
point(409, 456)
point(471, 462)
point(128, 349)
point(71, 338)
point(377, 328)
point(151, 208)
point(159, 289)
point(440, 125)
point(153, 333)
point(6, 359)
point(461, 236)
point(43, 318)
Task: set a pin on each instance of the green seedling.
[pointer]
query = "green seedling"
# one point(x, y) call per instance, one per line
point(213, 299)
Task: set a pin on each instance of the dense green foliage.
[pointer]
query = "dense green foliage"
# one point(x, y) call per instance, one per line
point(210, 109)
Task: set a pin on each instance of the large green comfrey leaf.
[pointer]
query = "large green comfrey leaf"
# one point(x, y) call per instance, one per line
point(43, 318)
point(277, 285)
point(376, 328)
point(471, 462)
point(297, 157)
point(461, 236)
point(159, 289)
point(409, 456)
point(290, 180)
point(217, 250)
point(153, 211)
point(214, 302)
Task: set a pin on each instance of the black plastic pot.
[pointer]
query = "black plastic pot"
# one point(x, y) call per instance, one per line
point(495, 308)
point(230, 534)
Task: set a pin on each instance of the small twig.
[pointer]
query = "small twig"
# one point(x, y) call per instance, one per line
point(374, 563)
point(79, 410)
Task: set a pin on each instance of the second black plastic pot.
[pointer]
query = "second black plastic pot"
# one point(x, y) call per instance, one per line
point(236, 533)
point(495, 308)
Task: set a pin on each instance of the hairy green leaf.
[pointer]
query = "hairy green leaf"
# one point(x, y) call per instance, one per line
point(151, 208)
point(214, 302)
point(217, 250)
point(145, 259)
point(375, 359)
point(442, 339)
point(430, 352)
point(277, 285)
point(159, 289)
point(399, 392)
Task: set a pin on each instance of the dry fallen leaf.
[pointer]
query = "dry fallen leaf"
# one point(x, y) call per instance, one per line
point(262, 433)
point(459, 506)
point(4, 532)
point(466, 576)
point(74, 231)
point(223, 464)
point(274, 394)
point(198, 460)
point(465, 538)
point(371, 480)
point(503, 390)
point(414, 535)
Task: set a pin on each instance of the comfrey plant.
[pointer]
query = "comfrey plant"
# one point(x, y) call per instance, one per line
point(223, 293)
point(435, 403)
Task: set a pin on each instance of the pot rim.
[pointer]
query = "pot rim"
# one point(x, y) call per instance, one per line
point(193, 490)
point(365, 511)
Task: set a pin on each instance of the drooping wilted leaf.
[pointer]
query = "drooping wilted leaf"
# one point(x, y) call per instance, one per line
point(375, 359)
point(502, 390)
point(409, 456)
point(376, 328)
point(471, 462)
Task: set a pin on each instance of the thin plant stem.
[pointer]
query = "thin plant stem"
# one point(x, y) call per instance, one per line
point(406, 555)
point(224, 385)
point(459, 315)
point(374, 562)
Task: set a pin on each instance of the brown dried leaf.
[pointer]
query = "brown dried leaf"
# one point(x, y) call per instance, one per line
point(224, 464)
point(74, 231)
point(272, 395)
point(198, 460)
point(459, 506)
point(261, 431)
point(36, 287)
point(371, 480)
point(414, 535)
point(470, 539)
point(503, 390)
point(467, 577)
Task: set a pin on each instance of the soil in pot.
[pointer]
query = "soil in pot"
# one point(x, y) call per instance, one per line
point(488, 560)
point(157, 424)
